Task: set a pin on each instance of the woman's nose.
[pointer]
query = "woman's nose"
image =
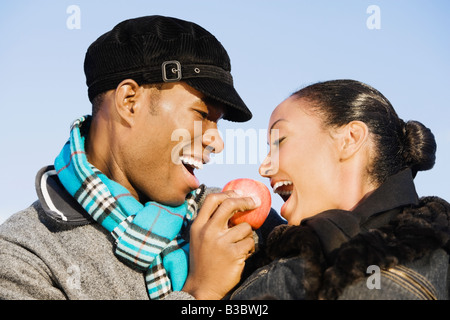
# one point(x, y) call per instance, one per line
point(265, 167)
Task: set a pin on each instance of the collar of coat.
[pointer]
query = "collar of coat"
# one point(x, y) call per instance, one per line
point(335, 227)
point(57, 203)
point(60, 206)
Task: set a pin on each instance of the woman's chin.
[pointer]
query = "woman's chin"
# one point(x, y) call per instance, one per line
point(288, 209)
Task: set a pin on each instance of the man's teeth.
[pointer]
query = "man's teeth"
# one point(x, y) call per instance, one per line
point(197, 164)
point(279, 185)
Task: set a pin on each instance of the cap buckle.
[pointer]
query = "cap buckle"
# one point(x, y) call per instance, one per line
point(171, 71)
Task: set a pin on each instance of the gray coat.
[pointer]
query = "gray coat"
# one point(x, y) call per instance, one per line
point(54, 250)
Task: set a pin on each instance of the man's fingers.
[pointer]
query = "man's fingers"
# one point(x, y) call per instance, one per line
point(218, 208)
point(241, 237)
point(245, 247)
point(230, 206)
point(239, 232)
point(211, 203)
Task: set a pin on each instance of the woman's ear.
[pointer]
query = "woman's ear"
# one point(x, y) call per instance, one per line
point(354, 136)
point(126, 95)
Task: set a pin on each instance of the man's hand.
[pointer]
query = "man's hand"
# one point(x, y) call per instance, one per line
point(217, 252)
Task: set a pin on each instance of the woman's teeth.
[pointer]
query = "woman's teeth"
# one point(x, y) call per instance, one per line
point(279, 188)
point(283, 189)
point(193, 162)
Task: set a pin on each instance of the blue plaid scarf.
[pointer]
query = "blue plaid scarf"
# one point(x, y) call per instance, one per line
point(148, 236)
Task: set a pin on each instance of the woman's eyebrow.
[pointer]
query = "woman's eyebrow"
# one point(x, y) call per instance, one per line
point(269, 133)
point(273, 125)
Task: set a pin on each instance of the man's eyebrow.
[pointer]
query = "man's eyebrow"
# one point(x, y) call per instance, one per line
point(210, 101)
point(273, 125)
point(221, 107)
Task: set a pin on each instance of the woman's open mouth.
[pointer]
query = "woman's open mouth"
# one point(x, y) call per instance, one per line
point(283, 189)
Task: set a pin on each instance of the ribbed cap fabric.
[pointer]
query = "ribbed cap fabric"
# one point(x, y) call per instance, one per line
point(155, 49)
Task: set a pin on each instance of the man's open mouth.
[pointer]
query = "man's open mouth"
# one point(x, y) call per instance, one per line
point(191, 163)
point(283, 189)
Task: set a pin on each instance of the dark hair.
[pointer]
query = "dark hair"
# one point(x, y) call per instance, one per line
point(399, 145)
point(97, 102)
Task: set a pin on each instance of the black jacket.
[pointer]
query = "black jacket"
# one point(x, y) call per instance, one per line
point(391, 246)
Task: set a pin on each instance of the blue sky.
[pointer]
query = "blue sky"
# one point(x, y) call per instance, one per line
point(275, 47)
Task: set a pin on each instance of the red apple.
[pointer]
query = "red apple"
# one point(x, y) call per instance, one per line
point(248, 187)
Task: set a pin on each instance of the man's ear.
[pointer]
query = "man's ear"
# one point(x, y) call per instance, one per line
point(354, 136)
point(126, 95)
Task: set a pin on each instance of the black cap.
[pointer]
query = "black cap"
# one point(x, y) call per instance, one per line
point(155, 49)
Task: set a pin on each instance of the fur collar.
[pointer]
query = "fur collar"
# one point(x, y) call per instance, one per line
point(337, 246)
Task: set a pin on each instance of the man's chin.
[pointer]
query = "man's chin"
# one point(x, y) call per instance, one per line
point(174, 201)
point(169, 201)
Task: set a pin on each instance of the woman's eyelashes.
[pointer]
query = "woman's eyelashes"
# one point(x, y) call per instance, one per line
point(277, 142)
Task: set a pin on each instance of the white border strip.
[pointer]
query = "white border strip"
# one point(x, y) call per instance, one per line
point(46, 195)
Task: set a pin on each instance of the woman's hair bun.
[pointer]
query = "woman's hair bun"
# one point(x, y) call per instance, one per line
point(420, 146)
point(398, 145)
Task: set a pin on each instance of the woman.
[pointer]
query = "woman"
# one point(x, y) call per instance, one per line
point(344, 163)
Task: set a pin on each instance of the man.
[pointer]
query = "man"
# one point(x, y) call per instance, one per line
point(113, 219)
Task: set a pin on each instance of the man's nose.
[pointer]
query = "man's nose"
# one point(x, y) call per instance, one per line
point(213, 141)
